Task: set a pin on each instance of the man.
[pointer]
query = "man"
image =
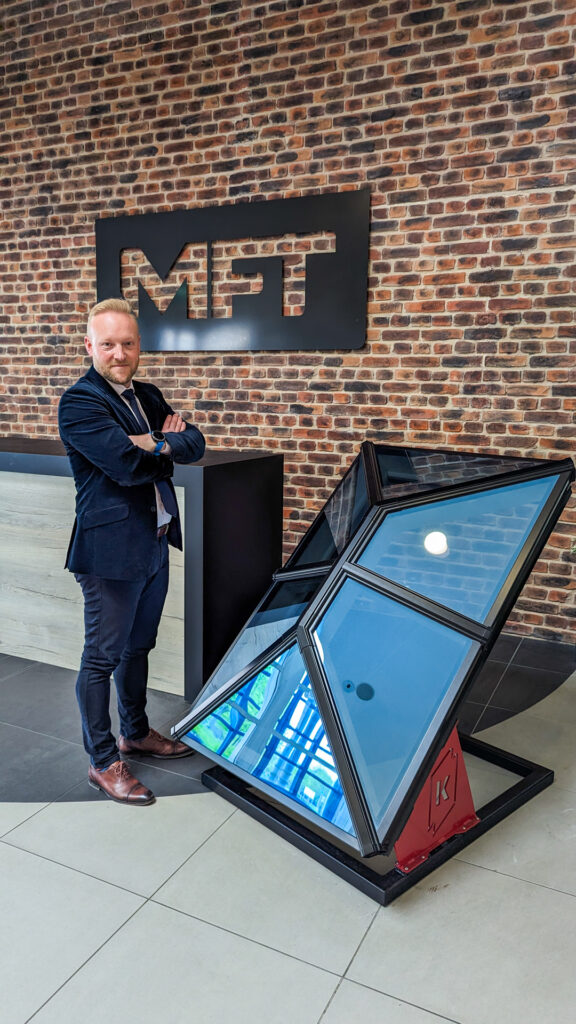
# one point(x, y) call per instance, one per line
point(122, 439)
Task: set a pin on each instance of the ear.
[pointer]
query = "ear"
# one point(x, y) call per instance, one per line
point(88, 345)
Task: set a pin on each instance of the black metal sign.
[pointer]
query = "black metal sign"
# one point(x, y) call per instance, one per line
point(332, 315)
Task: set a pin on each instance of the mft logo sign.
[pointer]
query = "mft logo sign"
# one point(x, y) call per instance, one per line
point(271, 275)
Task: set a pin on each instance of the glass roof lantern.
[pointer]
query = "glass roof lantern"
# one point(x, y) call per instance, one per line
point(337, 696)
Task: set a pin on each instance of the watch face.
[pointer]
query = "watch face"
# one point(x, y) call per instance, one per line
point(158, 436)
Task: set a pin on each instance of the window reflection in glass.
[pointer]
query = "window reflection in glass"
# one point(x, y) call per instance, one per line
point(271, 729)
point(458, 552)
point(389, 669)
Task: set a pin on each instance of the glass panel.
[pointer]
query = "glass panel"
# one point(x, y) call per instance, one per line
point(389, 669)
point(405, 471)
point(331, 531)
point(278, 612)
point(271, 729)
point(458, 552)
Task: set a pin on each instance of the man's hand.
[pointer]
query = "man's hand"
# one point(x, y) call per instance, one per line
point(143, 441)
point(174, 424)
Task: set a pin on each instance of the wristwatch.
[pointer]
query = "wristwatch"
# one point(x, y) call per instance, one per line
point(159, 439)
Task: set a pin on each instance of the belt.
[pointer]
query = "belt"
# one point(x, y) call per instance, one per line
point(163, 529)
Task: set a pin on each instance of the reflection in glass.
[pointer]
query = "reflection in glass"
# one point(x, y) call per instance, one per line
point(336, 523)
point(405, 471)
point(271, 729)
point(278, 612)
point(390, 670)
point(484, 535)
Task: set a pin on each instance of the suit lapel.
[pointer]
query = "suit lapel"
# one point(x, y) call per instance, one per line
point(118, 407)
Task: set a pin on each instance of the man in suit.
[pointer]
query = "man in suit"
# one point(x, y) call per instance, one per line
point(122, 439)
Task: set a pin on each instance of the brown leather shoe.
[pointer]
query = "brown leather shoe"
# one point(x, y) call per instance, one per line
point(153, 745)
point(118, 783)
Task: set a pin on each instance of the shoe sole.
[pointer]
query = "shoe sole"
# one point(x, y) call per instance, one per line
point(129, 803)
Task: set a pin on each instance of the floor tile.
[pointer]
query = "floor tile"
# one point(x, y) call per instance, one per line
point(522, 687)
point(546, 654)
point(134, 847)
point(285, 900)
point(475, 946)
point(353, 1003)
point(506, 646)
point(35, 767)
point(41, 698)
point(13, 814)
point(560, 706)
point(545, 741)
point(10, 666)
point(491, 716)
point(487, 781)
point(189, 971)
point(486, 681)
point(469, 714)
point(535, 843)
point(53, 920)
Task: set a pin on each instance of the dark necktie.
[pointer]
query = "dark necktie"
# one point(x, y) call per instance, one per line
point(166, 493)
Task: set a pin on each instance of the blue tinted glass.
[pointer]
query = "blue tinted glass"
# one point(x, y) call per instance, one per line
point(458, 552)
point(389, 669)
point(278, 612)
point(271, 729)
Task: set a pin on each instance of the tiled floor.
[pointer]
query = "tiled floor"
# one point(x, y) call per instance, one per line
point(188, 910)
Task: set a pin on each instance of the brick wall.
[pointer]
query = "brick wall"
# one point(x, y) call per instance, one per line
point(459, 116)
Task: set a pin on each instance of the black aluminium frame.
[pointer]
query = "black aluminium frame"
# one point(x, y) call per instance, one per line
point(534, 777)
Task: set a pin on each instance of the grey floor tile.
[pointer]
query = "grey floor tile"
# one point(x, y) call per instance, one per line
point(13, 814)
point(134, 847)
point(547, 655)
point(10, 665)
point(475, 946)
point(41, 698)
point(506, 646)
point(53, 920)
point(189, 971)
point(486, 914)
point(522, 687)
point(37, 768)
point(535, 736)
point(486, 681)
point(285, 900)
point(353, 1003)
point(536, 843)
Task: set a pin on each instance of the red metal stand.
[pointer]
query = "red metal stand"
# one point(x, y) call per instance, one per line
point(443, 809)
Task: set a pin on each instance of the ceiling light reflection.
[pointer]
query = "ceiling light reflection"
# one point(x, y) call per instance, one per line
point(436, 543)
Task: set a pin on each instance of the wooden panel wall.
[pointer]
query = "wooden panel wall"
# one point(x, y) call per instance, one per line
point(41, 603)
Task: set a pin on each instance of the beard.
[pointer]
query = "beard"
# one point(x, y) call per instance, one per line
point(117, 374)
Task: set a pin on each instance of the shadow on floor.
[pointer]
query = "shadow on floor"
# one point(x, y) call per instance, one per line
point(42, 758)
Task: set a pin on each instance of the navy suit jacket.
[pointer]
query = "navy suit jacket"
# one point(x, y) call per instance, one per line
point(115, 529)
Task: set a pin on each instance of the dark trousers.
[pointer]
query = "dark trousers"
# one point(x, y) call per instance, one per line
point(121, 621)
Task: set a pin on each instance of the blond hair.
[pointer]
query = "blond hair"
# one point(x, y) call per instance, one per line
point(110, 306)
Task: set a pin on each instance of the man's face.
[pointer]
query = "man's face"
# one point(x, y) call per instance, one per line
point(114, 344)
